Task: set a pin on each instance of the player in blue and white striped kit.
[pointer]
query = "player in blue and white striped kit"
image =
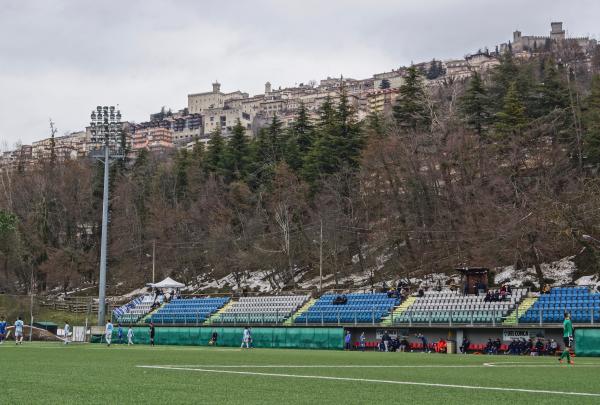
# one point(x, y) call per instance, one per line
point(108, 331)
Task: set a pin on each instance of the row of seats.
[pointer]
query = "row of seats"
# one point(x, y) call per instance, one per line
point(446, 307)
point(252, 310)
point(550, 308)
point(359, 308)
point(139, 307)
point(187, 310)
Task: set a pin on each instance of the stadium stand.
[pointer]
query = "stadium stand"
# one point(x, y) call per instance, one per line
point(578, 301)
point(133, 311)
point(358, 308)
point(252, 310)
point(187, 310)
point(445, 307)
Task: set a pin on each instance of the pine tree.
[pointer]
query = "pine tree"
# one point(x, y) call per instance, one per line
point(215, 154)
point(236, 154)
point(551, 93)
point(266, 150)
point(591, 121)
point(182, 162)
point(501, 78)
point(411, 110)
point(276, 139)
point(435, 70)
point(350, 138)
point(474, 105)
point(300, 139)
point(511, 120)
point(339, 141)
point(385, 84)
point(376, 125)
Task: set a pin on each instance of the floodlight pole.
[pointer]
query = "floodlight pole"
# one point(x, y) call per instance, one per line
point(105, 127)
point(103, 241)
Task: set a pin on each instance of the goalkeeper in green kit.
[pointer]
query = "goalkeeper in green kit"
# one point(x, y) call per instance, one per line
point(568, 339)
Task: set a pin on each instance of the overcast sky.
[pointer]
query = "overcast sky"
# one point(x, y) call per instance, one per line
point(61, 58)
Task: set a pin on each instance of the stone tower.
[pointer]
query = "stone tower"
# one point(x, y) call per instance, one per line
point(216, 87)
point(557, 33)
point(267, 87)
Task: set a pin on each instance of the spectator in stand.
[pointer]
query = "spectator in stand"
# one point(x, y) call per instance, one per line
point(512, 347)
point(423, 339)
point(421, 292)
point(403, 344)
point(441, 346)
point(489, 347)
point(496, 296)
point(527, 347)
point(539, 347)
point(503, 292)
point(552, 347)
point(546, 289)
point(385, 338)
point(395, 344)
point(464, 347)
point(213, 339)
point(488, 297)
point(348, 340)
point(497, 346)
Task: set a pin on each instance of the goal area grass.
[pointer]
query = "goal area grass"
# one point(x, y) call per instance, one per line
point(140, 374)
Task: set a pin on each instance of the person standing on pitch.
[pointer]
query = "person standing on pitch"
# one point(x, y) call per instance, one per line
point(2, 329)
point(151, 334)
point(67, 330)
point(246, 338)
point(108, 331)
point(568, 339)
point(19, 331)
point(120, 333)
point(129, 336)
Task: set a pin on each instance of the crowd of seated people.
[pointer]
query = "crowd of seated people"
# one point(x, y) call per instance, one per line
point(340, 300)
point(160, 296)
point(518, 347)
point(498, 295)
point(393, 344)
point(493, 346)
point(533, 348)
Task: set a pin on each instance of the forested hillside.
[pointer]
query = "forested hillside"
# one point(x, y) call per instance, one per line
point(498, 170)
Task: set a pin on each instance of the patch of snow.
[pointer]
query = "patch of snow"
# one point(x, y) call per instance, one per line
point(592, 281)
point(561, 271)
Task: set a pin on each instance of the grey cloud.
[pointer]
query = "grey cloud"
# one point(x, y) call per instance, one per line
point(60, 58)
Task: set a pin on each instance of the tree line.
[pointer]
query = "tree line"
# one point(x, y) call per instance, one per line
point(497, 170)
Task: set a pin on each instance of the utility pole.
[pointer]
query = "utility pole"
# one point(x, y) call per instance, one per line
point(153, 260)
point(321, 259)
point(31, 305)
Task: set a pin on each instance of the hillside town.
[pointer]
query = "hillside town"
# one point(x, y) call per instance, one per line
point(209, 111)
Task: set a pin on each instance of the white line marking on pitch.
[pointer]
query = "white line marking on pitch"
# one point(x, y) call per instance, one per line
point(422, 384)
point(333, 366)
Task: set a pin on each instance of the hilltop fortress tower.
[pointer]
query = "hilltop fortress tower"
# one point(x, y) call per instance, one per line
point(557, 35)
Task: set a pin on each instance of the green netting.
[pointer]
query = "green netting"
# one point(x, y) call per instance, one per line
point(295, 338)
point(587, 342)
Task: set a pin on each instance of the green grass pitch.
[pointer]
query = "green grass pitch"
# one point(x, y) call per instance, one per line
point(93, 373)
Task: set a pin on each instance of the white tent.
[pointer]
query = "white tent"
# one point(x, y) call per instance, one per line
point(167, 283)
